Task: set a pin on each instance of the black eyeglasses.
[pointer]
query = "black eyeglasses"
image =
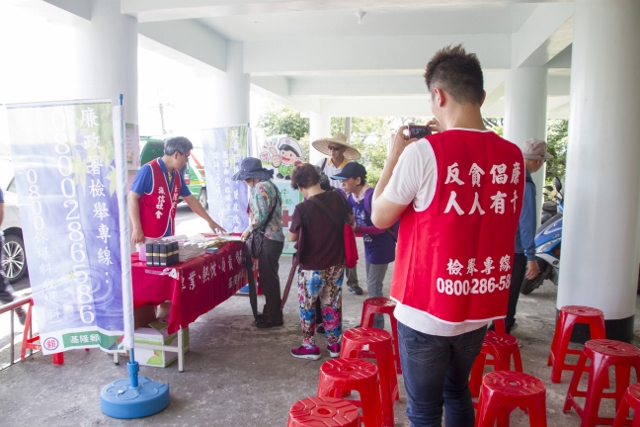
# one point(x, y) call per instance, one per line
point(333, 148)
point(182, 154)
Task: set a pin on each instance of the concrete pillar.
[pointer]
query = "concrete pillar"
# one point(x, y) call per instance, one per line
point(526, 113)
point(599, 263)
point(319, 127)
point(108, 57)
point(232, 90)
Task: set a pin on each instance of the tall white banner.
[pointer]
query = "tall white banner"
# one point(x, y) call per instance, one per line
point(64, 161)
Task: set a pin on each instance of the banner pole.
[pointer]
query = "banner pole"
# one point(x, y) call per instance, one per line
point(135, 397)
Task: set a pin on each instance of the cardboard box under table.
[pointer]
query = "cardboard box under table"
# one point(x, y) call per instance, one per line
point(154, 346)
point(194, 287)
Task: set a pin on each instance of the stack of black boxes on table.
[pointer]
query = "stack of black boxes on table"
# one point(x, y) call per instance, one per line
point(162, 254)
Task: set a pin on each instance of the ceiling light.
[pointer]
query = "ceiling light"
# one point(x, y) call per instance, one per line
point(360, 13)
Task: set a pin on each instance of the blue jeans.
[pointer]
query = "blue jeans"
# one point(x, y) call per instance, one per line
point(436, 371)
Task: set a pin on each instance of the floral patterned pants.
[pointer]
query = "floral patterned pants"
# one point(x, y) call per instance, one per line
point(326, 285)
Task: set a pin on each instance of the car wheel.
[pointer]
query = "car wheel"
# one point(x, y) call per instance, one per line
point(14, 261)
point(202, 198)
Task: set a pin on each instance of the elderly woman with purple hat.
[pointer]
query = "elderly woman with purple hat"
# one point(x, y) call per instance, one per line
point(265, 213)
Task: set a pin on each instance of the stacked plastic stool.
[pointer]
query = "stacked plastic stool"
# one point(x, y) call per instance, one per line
point(323, 411)
point(603, 354)
point(631, 400)
point(569, 316)
point(382, 305)
point(503, 391)
point(375, 343)
point(339, 375)
point(503, 348)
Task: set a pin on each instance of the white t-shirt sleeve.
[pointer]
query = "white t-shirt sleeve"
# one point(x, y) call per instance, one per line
point(414, 178)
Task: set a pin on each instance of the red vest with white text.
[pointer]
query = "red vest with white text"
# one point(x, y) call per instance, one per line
point(454, 259)
point(158, 207)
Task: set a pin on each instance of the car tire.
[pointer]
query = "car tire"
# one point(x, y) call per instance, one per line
point(202, 198)
point(14, 261)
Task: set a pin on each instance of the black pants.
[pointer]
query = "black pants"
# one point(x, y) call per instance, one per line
point(269, 279)
point(517, 276)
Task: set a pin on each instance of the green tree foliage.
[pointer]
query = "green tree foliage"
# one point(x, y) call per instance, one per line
point(282, 120)
point(557, 144)
point(370, 135)
point(495, 124)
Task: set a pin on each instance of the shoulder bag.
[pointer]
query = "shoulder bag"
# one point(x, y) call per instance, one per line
point(350, 248)
point(253, 244)
point(325, 182)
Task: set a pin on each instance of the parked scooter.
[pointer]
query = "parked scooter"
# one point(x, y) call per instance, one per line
point(549, 207)
point(548, 242)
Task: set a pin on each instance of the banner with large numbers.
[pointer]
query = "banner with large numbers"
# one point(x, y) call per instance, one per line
point(63, 155)
point(224, 149)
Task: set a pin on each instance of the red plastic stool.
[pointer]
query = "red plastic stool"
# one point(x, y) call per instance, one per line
point(504, 391)
point(569, 316)
point(500, 326)
point(30, 342)
point(603, 354)
point(631, 399)
point(502, 348)
point(375, 343)
point(337, 375)
point(323, 411)
point(382, 305)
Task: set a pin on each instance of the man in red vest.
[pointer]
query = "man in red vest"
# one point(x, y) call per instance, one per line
point(458, 194)
point(155, 191)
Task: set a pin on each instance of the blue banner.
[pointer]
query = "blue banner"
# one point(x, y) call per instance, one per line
point(224, 149)
point(63, 155)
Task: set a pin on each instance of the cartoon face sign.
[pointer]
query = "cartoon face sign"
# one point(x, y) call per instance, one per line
point(288, 157)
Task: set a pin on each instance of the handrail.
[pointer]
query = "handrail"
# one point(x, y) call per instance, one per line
point(9, 307)
point(14, 304)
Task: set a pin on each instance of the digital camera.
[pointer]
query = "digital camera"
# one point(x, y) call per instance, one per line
point(418, 131)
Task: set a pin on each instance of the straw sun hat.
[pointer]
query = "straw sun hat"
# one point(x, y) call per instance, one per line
point(322, 146)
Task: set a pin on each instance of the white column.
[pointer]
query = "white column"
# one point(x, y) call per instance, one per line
point(108, 57)
point(526, 113)
point(599, 265)
point(232, 90)
point(319, 127)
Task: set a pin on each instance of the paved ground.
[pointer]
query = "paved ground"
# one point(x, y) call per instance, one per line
point(235, 374)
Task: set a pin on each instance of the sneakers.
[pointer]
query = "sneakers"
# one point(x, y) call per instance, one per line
point(302, 352)
point(22, 316)
point(355, 289)
point(334, 349)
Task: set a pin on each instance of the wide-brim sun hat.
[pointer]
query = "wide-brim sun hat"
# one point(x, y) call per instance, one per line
point(251, 167)
point(322, 145)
